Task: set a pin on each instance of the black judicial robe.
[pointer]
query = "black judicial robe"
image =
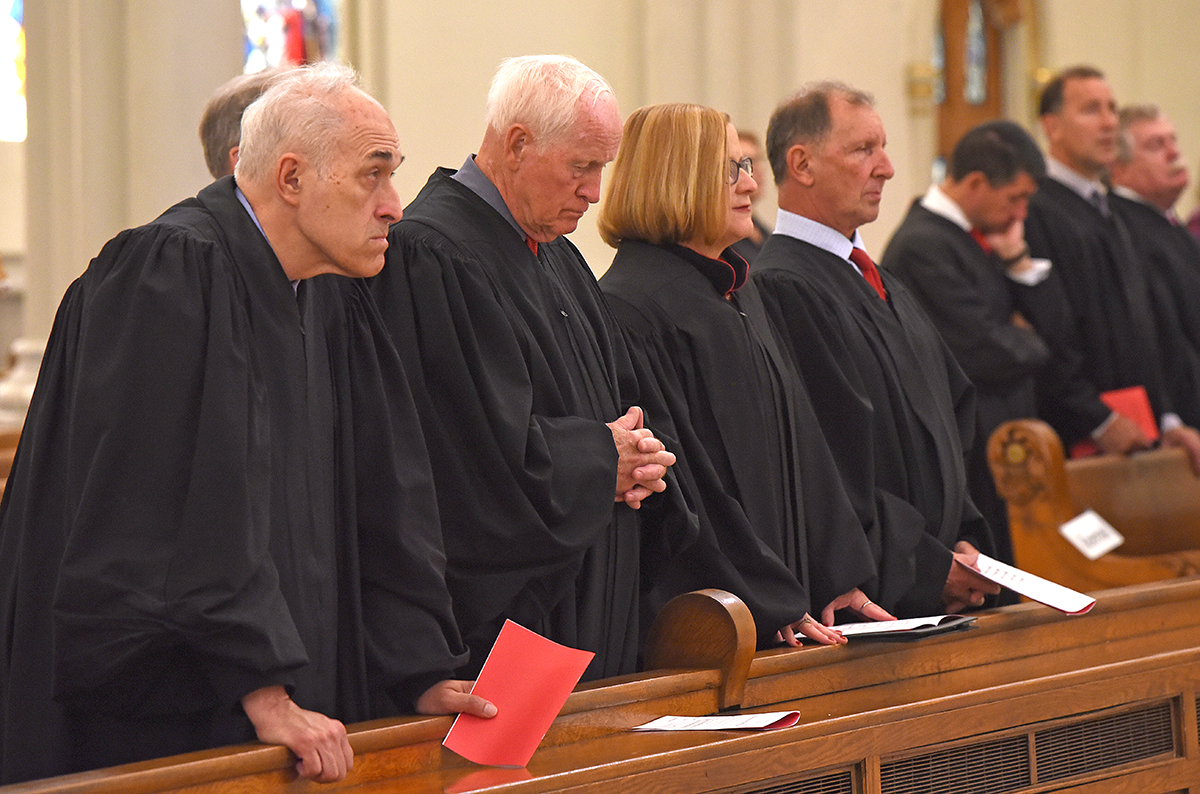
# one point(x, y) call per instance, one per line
point(970, 300)
point(895, 408)
point(1103, 318)
point(217, 488)
point(777, 528)
point(1172, 256)
point(522, 365)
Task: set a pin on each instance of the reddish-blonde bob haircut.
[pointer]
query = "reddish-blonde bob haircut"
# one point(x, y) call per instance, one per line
point(669, 183)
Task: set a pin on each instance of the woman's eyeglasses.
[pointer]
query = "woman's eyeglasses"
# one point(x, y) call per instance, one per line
point(745, 164)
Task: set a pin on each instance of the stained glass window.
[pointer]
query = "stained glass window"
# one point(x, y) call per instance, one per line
point(975, 86)
point(289, 32)
point(12, 71)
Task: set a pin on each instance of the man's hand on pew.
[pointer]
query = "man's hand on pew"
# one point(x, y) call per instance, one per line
point(1185, 438)
point(454, 697)
point(1122, 436)
point(965, 587)
point(318, 741)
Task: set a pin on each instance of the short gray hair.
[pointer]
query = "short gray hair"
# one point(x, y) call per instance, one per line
point(805, 117)
point(221, 122)
point(542, 92)
point(1129, 116)
point(299, 112)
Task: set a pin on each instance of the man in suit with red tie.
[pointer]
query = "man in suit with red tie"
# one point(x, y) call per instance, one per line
point(894, 405)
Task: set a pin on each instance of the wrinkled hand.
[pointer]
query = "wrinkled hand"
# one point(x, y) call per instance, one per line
point(1188, 439)
point(454, 697)
point(1122, 436)
point(642, 460)
point(964, 585)
point(318, 741)
point(811, 629)
point(857, 600)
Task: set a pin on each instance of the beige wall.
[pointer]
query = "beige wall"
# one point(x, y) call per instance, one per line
point(116, 87)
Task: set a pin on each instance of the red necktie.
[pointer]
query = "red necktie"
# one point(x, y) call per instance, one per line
point(869, 271)
point(532, 243)
point(983, 243)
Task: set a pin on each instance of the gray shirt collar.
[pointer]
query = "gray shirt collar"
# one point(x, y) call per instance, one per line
point(477, 181)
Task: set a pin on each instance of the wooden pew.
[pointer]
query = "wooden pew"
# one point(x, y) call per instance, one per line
point(1025, 700)
point(1152, 498)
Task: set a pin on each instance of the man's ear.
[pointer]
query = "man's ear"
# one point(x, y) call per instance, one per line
point(1051, 126)
point(976, 181)
point(518, 142)
point(799, 164)
point(288, 177)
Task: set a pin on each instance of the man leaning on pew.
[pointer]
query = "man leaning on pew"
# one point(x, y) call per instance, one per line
point(221, 522)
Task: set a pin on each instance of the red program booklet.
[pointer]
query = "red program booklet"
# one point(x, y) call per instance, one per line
point(528, 678)
point(1132, 402)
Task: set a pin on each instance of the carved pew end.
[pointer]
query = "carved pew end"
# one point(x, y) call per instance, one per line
point(705, 629)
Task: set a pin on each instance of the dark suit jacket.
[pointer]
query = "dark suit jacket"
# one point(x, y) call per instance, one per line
point(1172, 258)
point(1101, 317)
point(971, 302)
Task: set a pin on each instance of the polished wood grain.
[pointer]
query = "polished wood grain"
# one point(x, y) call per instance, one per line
point(1015, 674)
point(1152, 498)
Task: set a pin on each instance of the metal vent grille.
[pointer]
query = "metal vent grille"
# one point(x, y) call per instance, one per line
point(837, 783)
point(1106, 742)
point(988, 768)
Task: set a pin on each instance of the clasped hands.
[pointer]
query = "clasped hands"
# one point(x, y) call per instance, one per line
point(642, 460)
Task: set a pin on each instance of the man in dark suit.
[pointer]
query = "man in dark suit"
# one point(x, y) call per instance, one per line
point(961, 250)
point(1148, 177)
point(1105, 319)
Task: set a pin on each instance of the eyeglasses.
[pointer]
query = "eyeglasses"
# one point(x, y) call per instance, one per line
point(745, 164)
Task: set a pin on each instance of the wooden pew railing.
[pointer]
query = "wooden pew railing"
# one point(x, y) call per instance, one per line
point(1152, 498)
point(1026, 700)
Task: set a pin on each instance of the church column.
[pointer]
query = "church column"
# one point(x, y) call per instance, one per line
point(115, 90)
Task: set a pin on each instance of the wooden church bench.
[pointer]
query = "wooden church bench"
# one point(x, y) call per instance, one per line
point(1024, 700)
point(1152, 498)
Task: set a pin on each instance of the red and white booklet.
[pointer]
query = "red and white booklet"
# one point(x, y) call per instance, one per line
point(1064, 599)
point(763, 721)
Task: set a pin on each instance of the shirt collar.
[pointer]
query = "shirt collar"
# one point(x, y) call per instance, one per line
point(246, 203)
point(237, 191)
point(1133, 195)
point(1074, 180)
point(818, 234)
point(936, 201)
point(472, 177)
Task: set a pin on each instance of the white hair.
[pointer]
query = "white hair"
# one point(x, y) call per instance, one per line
point(299, 113)
point(542, 92)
